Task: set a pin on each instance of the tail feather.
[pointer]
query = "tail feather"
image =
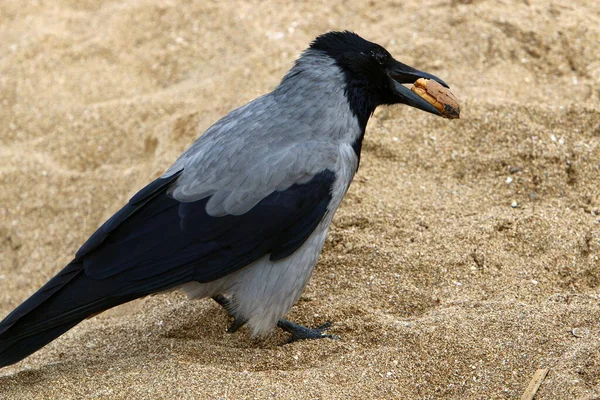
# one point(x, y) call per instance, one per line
point(66, 300)
point(12, 351)
point(60, 280)
point(114, 272)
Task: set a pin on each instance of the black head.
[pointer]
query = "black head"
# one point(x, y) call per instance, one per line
point(373, 76)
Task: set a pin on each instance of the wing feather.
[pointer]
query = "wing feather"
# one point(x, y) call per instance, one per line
point(160, 234)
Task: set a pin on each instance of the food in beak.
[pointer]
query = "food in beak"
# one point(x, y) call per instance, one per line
point(438, 96)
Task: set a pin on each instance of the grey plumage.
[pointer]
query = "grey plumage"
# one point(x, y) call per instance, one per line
point(293, 119)
point(279, 140)
point(242, 215)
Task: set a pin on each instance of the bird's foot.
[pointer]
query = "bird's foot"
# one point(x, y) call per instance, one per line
point(226, 304)
point(236, 324)
point(223, 302)
point(300, 332)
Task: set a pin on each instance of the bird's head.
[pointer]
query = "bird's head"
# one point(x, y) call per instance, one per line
point(373, 77)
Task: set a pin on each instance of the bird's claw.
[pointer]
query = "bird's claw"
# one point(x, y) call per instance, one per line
point(226, 304)
point(236, 324)
point(300, 332)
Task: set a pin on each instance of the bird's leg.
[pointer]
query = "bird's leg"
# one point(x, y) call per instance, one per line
point(223, 302)
point(226, 304)
point(300, 332)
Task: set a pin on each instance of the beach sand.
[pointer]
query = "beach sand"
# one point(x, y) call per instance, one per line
point(465, 256)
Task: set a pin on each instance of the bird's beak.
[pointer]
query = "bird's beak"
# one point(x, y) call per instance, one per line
point(401, 73)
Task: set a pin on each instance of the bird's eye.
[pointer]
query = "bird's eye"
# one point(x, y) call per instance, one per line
point(379, 56)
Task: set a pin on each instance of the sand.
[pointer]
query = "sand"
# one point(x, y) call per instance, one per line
point(465, 256)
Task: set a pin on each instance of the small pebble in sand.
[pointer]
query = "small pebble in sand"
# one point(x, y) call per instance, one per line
point(578, 332)
point(514, 204)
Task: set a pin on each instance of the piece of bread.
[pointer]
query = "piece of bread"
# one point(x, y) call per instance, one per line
point(438, 96)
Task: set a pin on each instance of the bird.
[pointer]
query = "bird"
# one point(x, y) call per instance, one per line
point(242, 215)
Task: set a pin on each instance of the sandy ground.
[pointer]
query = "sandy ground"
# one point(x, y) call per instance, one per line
point(438, 287)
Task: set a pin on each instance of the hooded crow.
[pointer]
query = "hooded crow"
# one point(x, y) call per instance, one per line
point(242, 215)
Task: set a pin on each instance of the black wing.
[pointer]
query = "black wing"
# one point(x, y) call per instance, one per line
point(156, 235)
point(155, 243)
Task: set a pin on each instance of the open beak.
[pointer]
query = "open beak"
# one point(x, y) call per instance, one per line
point(401, 73)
